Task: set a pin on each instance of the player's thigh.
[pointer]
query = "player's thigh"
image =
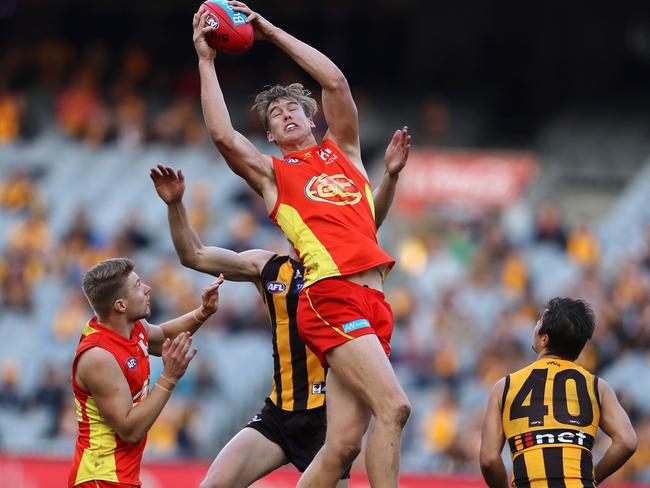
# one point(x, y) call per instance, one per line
point(362, 366)
point(347, 416)
point(246, 458)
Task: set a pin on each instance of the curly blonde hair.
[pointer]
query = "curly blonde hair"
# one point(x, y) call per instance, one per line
point(294, 91)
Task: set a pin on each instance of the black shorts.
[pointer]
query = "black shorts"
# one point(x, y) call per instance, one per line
point(299, 434)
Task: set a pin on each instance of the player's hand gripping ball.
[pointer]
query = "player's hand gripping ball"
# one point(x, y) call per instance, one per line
point(231, 34)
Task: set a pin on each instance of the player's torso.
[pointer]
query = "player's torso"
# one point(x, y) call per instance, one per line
point(325, 208)
point(100, 453)
point(298, 378)
point(551, 413)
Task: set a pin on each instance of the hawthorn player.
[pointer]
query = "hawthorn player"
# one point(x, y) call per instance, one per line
point(550, 411)
point(320, 196)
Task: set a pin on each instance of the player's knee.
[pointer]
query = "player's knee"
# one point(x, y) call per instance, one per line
point(348, 451)
point(395, 412)
point(403, 412)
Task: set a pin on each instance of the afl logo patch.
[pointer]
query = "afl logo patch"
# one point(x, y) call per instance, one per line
point(131, 363)
point(275, 287)
point(292, 161)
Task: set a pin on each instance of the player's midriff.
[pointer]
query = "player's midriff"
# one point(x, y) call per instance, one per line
point(325, 208)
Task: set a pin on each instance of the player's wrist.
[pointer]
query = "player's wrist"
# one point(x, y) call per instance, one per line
point(166, 382)
point(201, 314)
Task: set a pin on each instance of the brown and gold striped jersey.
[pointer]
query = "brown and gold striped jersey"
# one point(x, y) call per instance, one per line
point(298, 377)
point(551, 412)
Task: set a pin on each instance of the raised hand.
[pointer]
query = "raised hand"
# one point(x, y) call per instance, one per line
point(263, 28)
point(169, 185)
point(397, 151)
point(210, 297)
point(175, 355)
point(200, 29)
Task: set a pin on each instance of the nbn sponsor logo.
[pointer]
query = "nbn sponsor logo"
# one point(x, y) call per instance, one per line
point(355, 324)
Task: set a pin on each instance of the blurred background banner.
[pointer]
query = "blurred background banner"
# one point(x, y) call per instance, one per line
point(469, 179)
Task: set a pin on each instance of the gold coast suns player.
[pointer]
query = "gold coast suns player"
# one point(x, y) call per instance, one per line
point(550, 411)
point(291, 426)
point(110, 373)
point(318, 193)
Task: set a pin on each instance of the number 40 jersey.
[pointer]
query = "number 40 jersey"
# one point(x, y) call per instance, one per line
point(551, 412)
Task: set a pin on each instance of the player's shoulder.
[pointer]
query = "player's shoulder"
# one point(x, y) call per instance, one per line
point(95, 358)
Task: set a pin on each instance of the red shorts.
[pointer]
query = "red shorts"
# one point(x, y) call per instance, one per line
point(334, 311)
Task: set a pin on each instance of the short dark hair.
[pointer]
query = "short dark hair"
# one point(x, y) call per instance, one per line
point(569, 324)
point(104, 283)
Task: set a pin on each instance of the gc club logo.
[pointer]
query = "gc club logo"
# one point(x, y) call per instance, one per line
point(131, 363)
point(336, 189)
point(275, 287)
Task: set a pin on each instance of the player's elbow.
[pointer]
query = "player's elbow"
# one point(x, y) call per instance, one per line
point(189, 259)
point(629, 443)
point(131, 437)
point(134, 437)
point(336, 82)
point(489, 460)
point(223, 139)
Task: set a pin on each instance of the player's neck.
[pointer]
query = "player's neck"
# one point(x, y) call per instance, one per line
point(118, 324)
point(547, 355)
point(305, 143)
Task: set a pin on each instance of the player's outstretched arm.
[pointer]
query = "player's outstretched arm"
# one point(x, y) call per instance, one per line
point(338, 105)
point(240, 153)
point(97, 371)
point(616, 424)
point(188, 323)
point(244, 266)
point(395, 158)
point(492, 440)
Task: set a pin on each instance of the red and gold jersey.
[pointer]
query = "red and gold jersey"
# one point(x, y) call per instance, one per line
point(551, 413)
point(100, 454)
point(325, 208)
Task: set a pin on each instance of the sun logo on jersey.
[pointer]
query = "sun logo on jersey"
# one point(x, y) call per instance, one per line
point(337, 189)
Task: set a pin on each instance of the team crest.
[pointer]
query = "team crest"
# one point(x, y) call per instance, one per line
point(275, 287)
point(336, 189)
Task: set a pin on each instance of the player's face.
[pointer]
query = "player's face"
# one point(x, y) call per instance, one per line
point(288, 123)
point(537, 339)
point(137, 297)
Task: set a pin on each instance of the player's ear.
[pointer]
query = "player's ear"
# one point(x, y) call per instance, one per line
point(119, 305)
point(311, 123)
point(269, 137)
point(544, 339)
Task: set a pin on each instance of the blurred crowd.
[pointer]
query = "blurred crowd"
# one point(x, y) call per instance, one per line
point(463, 297)
point(464, 294)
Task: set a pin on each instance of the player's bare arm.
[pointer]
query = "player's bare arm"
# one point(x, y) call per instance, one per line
point(244, 266)
point(98, 373)
point(338, 105)
point(188, 323)
point(616, 424)
point(492, 440)
point(395, 159)
point(240, 153)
